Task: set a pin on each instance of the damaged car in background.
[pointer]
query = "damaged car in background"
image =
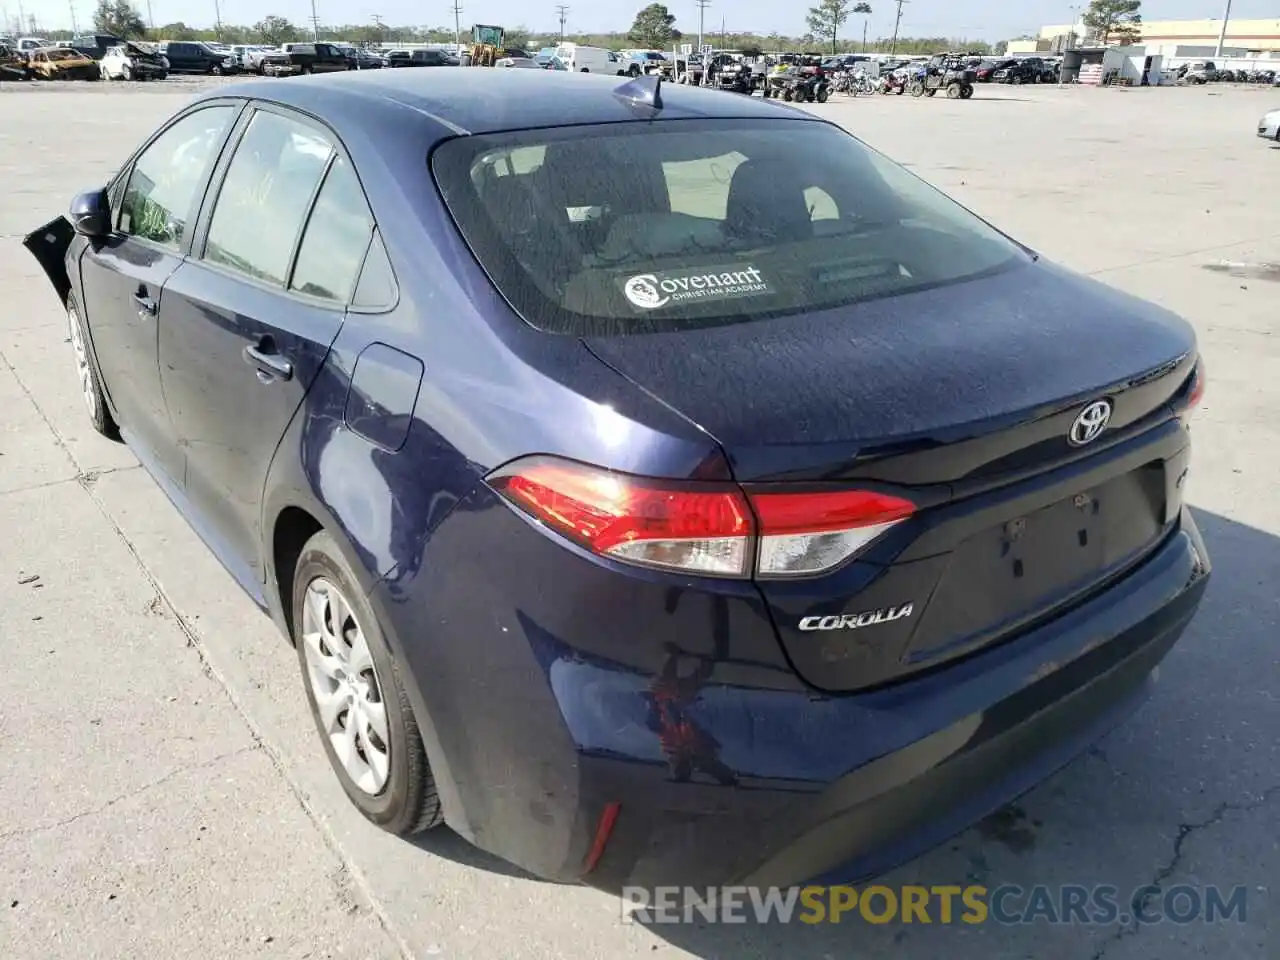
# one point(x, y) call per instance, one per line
point(13, 65)
point(61, 63)
point(130, 62)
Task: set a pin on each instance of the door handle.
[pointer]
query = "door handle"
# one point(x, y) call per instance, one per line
point(146, 306)
point(270, 365)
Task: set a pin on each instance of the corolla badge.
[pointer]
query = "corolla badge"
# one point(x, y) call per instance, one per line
point(855, 621)
point(1090, 423)
point(643, 292)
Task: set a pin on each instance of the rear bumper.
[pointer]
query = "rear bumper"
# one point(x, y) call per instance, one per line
point(281, 69)
point(717, 783)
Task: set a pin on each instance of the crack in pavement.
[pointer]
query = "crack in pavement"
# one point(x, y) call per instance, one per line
point(1185, 831)
point(151, 785)
point(88, 476)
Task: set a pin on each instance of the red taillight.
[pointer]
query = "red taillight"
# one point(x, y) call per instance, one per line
point(806, 533)
point(699, 528)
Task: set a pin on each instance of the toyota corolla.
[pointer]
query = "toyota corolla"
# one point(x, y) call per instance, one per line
point(657, 486)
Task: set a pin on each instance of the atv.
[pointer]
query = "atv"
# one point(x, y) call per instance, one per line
point(806, 81)
point(945, 72)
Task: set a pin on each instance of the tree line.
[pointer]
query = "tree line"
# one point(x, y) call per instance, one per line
point(654, 28)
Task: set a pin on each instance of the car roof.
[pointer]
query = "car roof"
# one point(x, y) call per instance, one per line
point(478, 100)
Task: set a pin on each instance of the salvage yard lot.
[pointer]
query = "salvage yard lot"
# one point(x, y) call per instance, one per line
point(162, 790)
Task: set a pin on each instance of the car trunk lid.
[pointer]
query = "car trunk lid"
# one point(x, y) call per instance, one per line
point(960, 399)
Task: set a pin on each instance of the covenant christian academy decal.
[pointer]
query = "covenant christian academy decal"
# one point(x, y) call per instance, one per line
point(649, 291)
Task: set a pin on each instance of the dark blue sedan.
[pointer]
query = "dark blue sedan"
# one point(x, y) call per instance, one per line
point(658, 486)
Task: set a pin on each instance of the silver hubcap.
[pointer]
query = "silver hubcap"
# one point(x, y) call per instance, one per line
point(83, 370)
point(345, 685)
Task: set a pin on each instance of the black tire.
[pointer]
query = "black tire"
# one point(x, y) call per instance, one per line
point(634, 70)
point(162, 76)
point(408, 803)
point(917, 89)
point(966, 91)
point(823, 94)
point(931, 92)
point(306, 69)
point(126, 72)
point(953, 91)
point(99, 414)
point(788, 95)
point(215, 70)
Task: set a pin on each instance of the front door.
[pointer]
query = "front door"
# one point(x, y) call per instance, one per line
point(124, 275)
point(248, 324)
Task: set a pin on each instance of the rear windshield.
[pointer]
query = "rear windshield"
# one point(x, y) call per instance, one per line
point(638, 227)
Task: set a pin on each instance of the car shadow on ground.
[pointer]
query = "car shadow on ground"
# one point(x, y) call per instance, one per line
point(1015, 845)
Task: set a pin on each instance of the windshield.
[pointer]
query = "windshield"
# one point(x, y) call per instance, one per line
point(647, 226)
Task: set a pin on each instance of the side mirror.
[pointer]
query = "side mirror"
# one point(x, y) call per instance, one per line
point(90, 214)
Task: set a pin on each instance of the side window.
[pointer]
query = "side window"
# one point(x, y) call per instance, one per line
point(377, 284)
point(265, 195)
point(161, 190)
point(336, 238)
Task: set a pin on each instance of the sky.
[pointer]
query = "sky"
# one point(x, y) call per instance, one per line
point(972, 19)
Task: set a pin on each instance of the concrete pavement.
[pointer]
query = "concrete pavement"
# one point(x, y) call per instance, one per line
point(162, 790)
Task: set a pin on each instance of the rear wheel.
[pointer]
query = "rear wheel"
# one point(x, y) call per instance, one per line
point(126, 72)
point(916, 89)
point(787, 95)
point(356, 696)
point(95, 399)
point(966, 91)
point(953, 91)
point(823, 94)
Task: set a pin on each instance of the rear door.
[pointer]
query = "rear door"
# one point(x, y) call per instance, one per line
point(249, 320)
point(123, 277)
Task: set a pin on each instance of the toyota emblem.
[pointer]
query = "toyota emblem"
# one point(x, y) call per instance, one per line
point(1090, 423)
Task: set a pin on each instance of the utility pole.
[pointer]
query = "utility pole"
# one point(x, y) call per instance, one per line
point(457, 29)
point(864, 34)
point(702, 17)
point(151, 20)
point(22, 19)
point(377, 22)
point(897, 23)
point(217, 20)
point(1222, 37)
point(75, 27)
point(562, 11)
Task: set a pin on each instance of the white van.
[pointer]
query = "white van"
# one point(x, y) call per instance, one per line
point(582, 59)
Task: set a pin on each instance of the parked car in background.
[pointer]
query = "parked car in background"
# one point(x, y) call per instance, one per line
point(1022, 70)
point(249, 56)
point(13, 65)
point(642, 547)
point(363, 58)
point(61, 63)
point(646, 62)
point(1198, 72)
point(584, 59)
point(128, 61)
point(429, 57)
point(196, 56)
point(27, 45)
point(1269, 126)
point(94, 45)
point(525, 63)
point(307, 58)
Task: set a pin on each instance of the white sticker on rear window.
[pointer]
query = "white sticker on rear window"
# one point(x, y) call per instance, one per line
point(649, 291)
